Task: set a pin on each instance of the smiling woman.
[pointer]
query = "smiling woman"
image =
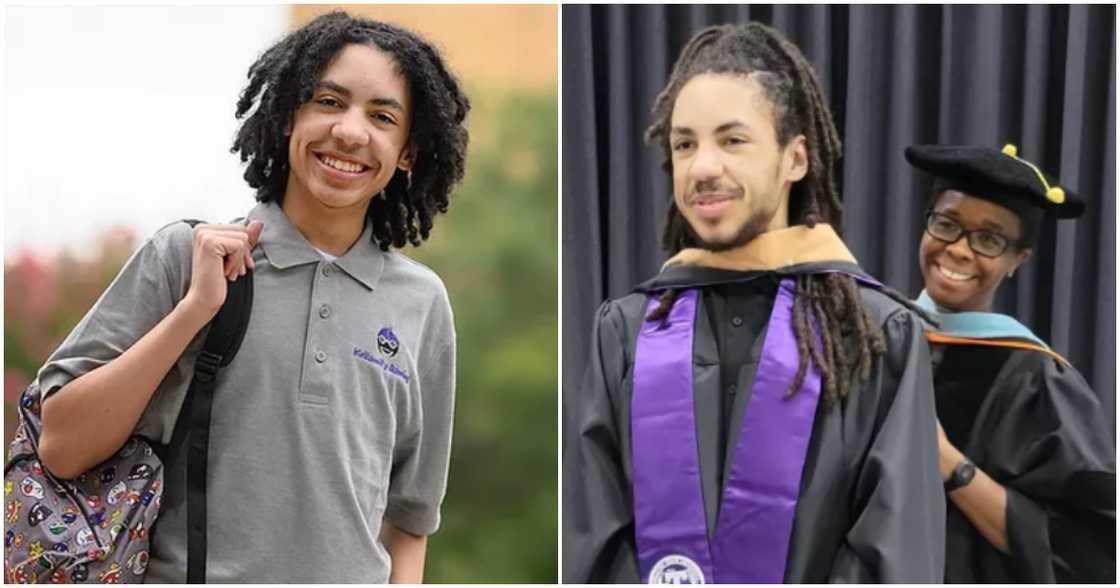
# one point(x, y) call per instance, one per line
point(1025, 454)
point(969, 247)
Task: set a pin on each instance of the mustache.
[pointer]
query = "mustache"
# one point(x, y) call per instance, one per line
point(708, 187)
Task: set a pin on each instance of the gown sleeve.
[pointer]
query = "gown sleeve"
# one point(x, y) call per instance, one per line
point(899, 531)
point(598, 519)
point(1051, 448)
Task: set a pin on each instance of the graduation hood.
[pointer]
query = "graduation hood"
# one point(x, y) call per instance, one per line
point(794, 250)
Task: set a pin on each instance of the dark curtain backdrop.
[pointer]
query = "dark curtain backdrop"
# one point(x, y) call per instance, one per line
point(1042, 77)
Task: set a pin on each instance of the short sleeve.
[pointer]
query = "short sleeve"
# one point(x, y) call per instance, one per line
point(421, 455)
point(147, 288)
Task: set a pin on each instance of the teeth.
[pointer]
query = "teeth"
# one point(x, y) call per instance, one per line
point(338, 164)
point(953, 275)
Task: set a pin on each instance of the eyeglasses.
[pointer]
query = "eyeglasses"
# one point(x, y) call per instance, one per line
point(984, 243)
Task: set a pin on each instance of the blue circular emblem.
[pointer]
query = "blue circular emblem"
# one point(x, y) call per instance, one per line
point(387, 342)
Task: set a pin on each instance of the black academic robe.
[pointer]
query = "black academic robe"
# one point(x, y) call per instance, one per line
point(871, 507)
point(1035, 427)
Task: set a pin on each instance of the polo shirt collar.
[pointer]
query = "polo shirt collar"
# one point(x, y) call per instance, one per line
point(286, 247)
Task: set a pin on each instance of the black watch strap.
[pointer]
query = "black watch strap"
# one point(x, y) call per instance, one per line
point(961, 476)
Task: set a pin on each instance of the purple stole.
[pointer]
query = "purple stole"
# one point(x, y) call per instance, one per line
point(759, 499)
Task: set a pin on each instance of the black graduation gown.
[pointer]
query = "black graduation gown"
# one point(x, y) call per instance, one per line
point(871, 507)
point(1037, 428)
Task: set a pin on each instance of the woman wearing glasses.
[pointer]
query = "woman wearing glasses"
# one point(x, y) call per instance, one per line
point(1026, 453)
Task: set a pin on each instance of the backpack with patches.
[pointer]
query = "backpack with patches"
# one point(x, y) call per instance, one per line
point(95, 528)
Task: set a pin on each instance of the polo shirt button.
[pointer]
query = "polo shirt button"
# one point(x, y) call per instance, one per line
point(736, 321)
point(731, 390)
point(324, 311)
point(326, 270)
point(320, 356)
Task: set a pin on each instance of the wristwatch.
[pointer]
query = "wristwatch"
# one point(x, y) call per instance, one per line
point(961, 476)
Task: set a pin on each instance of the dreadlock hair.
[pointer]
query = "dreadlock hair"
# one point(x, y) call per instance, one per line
point(827, 306)
point(284, 78)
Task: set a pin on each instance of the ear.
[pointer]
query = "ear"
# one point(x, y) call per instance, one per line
point(1021, 258)
point(796, 159)
point(407, 158)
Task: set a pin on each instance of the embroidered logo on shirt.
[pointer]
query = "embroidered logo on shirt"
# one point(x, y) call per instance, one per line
point(387, 342)
point(392, 368)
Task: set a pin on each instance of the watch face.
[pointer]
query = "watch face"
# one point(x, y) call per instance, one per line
point(968, 471)
point(961, 476)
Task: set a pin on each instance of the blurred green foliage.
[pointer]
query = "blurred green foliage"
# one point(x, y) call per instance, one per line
point(496, 251)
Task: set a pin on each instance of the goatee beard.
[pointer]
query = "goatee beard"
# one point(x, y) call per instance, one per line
point(754, 226)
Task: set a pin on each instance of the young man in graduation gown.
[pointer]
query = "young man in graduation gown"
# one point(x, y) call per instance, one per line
point(761, 410)
point(1026, 454)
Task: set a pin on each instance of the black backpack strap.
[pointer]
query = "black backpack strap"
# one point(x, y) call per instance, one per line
point(192, 428)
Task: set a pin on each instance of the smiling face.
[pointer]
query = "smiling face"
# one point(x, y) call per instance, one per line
point(731, 179)
point(349, 139)
point(956, 277)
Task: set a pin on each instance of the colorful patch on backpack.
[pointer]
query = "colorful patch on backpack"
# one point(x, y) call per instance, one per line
point(18, 575)
point(31, 488)
point(111, 575)
point(85, 536)
point(140, 471)
point(30, 402)
point(138, 563)
point(69, 514)
point(117, 493)
point(107, 475)
point(38, 514)
point(138, 531)
point(11, 510)
point(79, 573)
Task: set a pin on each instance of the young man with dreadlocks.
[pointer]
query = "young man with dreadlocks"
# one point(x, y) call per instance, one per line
point(330, 433)
point(760, 411)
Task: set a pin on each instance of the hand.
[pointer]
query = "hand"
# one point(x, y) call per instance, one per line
point(221, 253)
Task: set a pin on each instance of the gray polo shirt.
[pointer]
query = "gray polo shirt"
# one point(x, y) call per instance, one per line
point(335, 415)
